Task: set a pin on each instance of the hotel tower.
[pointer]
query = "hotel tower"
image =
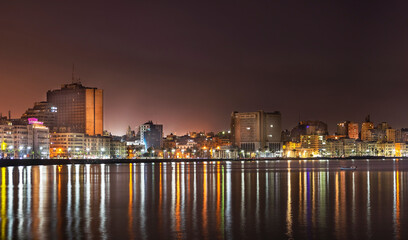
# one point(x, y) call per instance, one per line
point(79, 109)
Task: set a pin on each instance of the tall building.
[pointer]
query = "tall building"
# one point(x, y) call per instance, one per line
point(348, 129)
point(352, 131)
point(80, 109)
point(43, 112)
point(402, 135)
point(342, 128)
point(390, 135)
point(252, 131)
point(366, 129)
point(152, 135)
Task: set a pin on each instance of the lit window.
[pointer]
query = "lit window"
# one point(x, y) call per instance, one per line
point(270, 135)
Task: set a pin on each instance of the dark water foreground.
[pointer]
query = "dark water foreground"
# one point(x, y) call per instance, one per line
point(207, 200)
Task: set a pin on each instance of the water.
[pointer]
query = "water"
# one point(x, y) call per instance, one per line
point(213, 200)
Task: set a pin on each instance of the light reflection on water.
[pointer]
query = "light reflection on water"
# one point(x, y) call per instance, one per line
point(234, 199)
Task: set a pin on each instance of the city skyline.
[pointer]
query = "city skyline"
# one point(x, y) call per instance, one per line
point(188, 67)
point(332, 128)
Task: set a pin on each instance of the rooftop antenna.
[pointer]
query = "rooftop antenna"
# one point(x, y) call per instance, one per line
point(73, 73)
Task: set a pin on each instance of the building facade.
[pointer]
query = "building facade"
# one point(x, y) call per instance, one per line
point(67, 145)
point(366, 127)
point(43, 112)
point(80, 109)
point(152, 135)
point(353, 130)
point(24, 141)
point(254, 131)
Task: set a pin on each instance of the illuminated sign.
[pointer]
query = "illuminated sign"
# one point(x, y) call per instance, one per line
point(34, 121)
point(3, 146)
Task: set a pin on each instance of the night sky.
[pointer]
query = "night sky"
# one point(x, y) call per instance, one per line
point(189, 64)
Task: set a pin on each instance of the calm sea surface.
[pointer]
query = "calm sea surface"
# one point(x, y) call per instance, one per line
point(212, 200)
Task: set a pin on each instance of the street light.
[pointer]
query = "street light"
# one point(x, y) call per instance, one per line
point(103, 150)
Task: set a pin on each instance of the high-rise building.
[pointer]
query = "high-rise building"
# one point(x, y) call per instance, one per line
point(365, 129)
point(152, 135)
point(348, 129)
point(342, 128)
point(352, 130)
point(80, 109)
point(252, 131)
point(390, 135)
point(43, 112)
point(402, 135)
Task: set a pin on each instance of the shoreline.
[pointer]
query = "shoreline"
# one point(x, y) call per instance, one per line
point(34, 162)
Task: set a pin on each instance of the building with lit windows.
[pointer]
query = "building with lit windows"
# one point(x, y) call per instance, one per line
point(79, 109)
point(256, 131)
point(118, 149)
point(152, 135)
point(308, 128)
point(20, 140)
point(390, 135)
point(97, 147)
point(366, 127)
point(342, 128)
point(67, 145)
point(42, 111)
point(314, 142)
